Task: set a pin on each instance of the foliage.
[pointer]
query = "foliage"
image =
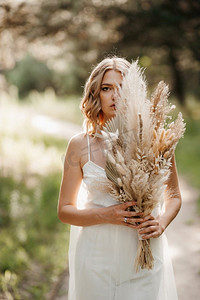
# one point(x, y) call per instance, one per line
point(70, 36)
point(31, 74)
point(188, 152)
point(33, 242)
point(164, 30)
point(8, 284)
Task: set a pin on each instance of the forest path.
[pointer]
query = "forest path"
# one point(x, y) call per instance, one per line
point(183, 233)
point(184, 242)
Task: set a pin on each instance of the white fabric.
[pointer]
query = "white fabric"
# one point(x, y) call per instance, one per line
point(101, 257)
point(88, 142)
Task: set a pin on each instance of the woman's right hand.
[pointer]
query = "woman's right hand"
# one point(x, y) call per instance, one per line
point(119, 214)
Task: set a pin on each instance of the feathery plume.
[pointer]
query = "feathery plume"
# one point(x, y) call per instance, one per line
point(141, 141)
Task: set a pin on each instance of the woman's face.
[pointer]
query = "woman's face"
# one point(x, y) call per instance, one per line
point(109, 86)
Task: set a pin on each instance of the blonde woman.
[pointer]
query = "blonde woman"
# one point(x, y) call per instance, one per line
point(103, 242)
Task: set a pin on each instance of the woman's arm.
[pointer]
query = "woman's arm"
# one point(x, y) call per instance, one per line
point(154, 227)
point(68, 213)
point(172, 201)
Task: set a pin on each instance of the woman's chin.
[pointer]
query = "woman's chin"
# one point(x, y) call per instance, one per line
point(110, 116)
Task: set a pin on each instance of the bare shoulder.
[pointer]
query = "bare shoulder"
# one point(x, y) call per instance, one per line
point(77, 141)
point(75, 149)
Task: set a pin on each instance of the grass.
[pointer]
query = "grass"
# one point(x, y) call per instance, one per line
point(33, 241)
point(188, 148)
point(188, 154)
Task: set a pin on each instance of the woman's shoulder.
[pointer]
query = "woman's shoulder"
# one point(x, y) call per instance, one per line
point(78, 141)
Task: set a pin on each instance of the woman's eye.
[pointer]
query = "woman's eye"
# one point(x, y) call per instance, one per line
point(105, 89)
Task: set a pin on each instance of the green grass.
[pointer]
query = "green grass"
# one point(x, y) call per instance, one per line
point(188, 154)
point(33, 241)
point(31, 235)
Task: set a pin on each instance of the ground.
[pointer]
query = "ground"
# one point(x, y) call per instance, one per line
point(184, 241)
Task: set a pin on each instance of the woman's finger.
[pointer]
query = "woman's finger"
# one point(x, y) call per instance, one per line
point(147, 229)
point(133, 220)
point(147, 223)
point(154, 234)
point(149, 217)
point(131, 214)
point(130, 225)
point(128, 204)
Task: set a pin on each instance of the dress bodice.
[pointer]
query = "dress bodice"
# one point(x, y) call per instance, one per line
point(94, 180)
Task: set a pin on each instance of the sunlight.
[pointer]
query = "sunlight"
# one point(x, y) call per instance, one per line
point(55, 127)
point(82, 196)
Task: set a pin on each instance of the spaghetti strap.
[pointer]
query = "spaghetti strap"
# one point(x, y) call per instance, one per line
point(88, 141)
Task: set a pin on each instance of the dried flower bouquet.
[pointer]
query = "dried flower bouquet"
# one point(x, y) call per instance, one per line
point(141, 140)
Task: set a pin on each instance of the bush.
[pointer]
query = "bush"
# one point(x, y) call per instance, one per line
point(30, 74)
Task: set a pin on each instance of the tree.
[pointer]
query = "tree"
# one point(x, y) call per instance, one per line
point(82, 32)
point(172, 25)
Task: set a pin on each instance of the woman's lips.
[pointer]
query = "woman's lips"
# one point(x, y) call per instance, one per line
point(113, 105)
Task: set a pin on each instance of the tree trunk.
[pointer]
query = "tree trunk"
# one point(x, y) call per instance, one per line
point(178, 80)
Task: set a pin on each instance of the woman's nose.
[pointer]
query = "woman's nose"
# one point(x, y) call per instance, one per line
point(114, 94)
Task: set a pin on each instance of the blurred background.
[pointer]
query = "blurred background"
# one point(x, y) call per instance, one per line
point(47, 50)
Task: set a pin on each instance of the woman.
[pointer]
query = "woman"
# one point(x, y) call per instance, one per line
point(101, 254)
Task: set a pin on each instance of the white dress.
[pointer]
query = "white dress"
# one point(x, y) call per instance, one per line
point(101, 257)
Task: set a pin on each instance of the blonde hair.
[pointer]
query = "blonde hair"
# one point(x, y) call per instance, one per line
point(91, 104)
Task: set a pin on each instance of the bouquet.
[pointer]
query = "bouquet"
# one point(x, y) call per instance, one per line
point(141, 140)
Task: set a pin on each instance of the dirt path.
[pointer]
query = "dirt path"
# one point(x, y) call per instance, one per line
point(184, 241)
point(183, 233)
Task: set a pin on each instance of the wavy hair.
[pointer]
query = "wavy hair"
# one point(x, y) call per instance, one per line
point(90, 103)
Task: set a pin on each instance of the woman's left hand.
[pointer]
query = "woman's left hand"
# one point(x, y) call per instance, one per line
point(150, 227)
